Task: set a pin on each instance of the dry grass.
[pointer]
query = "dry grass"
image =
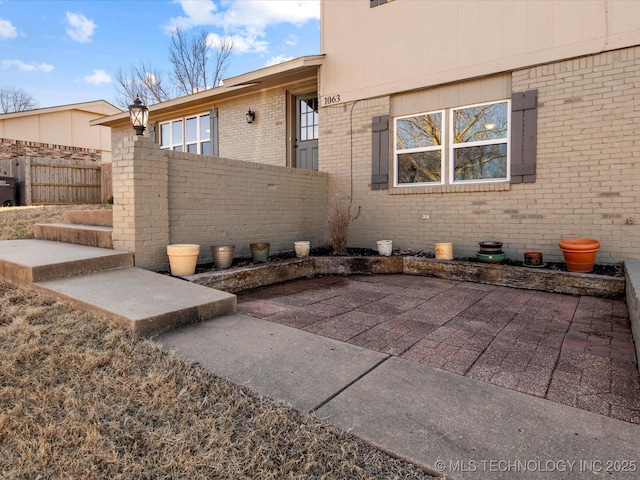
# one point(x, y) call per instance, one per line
point(339, 228)
point(17, 222)
point(83, 399)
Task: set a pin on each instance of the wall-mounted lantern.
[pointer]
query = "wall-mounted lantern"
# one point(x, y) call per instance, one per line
point(251, 116)
point(139, 114)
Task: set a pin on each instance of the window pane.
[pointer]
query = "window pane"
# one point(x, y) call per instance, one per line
point(176, 129)
point(191, 129)
point(192, 148)
point(479, 163)
point(178, 148)
point(205, 127)
point(420, 167)
point(482, 122)
point(165, 135)
point(206, 148)
point(420, 131)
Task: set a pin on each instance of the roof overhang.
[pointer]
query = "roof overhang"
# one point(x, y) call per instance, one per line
point(99, 107)
point(264, 78)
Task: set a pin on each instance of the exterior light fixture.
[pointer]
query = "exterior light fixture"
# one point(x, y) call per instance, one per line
point(251, 116)
point(139, 114)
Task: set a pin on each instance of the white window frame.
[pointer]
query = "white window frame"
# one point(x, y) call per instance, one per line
point(453, 146)
point(399, 151)
point(448, 148)
point(172, 145)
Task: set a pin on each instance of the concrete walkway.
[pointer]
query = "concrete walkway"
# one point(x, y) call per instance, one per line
point(392, 358)
point(449, 423)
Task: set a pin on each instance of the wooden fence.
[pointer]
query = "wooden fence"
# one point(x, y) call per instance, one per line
point(48, 181)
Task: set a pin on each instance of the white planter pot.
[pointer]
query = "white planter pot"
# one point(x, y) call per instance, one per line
point(183, 258)
point(385, 247)
point(302, 248)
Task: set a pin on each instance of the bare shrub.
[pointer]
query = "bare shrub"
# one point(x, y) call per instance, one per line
point(339, 228)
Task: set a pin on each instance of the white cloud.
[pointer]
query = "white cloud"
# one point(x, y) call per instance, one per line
point(81, 29)
point(291, 40)
point(98, 77)
point(245, 20)
point(7, 30)
point(241, 44)
point(278, 59)
point(27, 67)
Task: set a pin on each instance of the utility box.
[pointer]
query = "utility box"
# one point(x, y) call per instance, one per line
point(8, 191)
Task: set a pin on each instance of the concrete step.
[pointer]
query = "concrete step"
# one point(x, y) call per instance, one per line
point(89, 235)
point(145, 302)
point(101, 218)
point(106, 281)
point(27, 261)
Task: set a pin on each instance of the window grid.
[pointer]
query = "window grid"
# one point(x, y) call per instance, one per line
point(190, 134)
point(480, 154)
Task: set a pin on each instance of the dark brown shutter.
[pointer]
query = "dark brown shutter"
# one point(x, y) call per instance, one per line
point(213, 136)
point(380, 153)
point(524, 130)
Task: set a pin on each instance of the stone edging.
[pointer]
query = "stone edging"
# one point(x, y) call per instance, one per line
point(244, 278)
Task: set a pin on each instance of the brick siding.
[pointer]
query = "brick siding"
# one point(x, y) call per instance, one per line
point(20, 148)
point(163, 197)
point(587, 171)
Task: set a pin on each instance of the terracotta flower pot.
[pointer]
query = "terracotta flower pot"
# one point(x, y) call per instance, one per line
point(183, 258)
point(579, 253)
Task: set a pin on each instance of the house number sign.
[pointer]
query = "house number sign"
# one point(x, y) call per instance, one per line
point(331, 99)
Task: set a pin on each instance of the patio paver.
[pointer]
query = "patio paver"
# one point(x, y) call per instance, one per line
point(573, 350)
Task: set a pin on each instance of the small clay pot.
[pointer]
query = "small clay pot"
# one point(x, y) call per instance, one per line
point(533, 259)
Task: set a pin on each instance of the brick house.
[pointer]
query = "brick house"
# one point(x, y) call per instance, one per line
point(440, 121)
point(513, 121)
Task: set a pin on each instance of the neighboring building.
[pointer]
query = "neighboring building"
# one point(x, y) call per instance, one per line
point(447, 121)
point(56, 155)
point(58, 132)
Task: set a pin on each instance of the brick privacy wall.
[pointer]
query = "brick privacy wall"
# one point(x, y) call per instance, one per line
point(20, 148)
point(163, 197)
point(140, 206)
point(587, 182)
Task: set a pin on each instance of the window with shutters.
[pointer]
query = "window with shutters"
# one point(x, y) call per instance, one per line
point(468, 144)
point(190, 134)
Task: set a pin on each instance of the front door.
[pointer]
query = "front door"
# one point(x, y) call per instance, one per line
point(306, 146)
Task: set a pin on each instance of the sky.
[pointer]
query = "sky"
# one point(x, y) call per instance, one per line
point(65, 52)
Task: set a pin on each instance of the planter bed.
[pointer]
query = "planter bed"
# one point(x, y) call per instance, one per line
point(248, 276)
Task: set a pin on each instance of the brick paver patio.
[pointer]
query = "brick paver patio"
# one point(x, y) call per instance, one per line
point(573, 350)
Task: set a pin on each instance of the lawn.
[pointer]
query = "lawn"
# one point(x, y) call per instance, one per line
point(81, 398)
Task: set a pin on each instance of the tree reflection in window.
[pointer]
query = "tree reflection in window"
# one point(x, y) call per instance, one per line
point(479, 142)
point(419, 148)
point(476, 140)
